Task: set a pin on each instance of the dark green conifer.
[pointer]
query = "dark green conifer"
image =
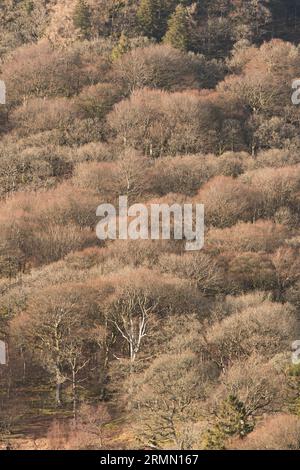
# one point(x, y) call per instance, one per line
point(177, 34)
point(82, 18)
point(153, 16)
point(231, 420)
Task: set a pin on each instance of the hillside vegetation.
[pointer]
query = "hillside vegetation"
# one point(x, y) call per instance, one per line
point(141, 344)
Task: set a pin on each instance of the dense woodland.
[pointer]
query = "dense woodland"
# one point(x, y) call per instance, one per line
point(140, 344)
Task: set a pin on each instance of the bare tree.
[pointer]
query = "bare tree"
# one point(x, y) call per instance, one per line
point(56, 327)
point(131, 316)
point(166, 399)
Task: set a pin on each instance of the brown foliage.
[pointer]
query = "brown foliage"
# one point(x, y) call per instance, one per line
point(158, 122)
point(97, 100)
point(39, 70)
point(264, 327)
point(277, 187)
point(262, 235)
point(199, 268)
point(277, 432)
point(227, 201)
point(39, 115)
point(250, 270)
point(49, 225)
point(157, 66)
point(256, 383)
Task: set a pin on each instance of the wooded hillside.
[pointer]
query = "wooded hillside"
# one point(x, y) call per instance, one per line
point(140, 344)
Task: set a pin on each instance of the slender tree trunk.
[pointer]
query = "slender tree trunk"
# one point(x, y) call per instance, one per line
point(58, 393)
point(58, 389)
point(74, 390)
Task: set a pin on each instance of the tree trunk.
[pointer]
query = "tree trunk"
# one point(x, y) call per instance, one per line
point(58, 393)
point(74, 390)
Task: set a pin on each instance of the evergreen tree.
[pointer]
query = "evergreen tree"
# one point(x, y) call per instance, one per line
point(153, 15)
point(294, 387)
point(121, 48)
point(231, 420)
point(82, 18)
point(29, 6)
point(177, 34)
